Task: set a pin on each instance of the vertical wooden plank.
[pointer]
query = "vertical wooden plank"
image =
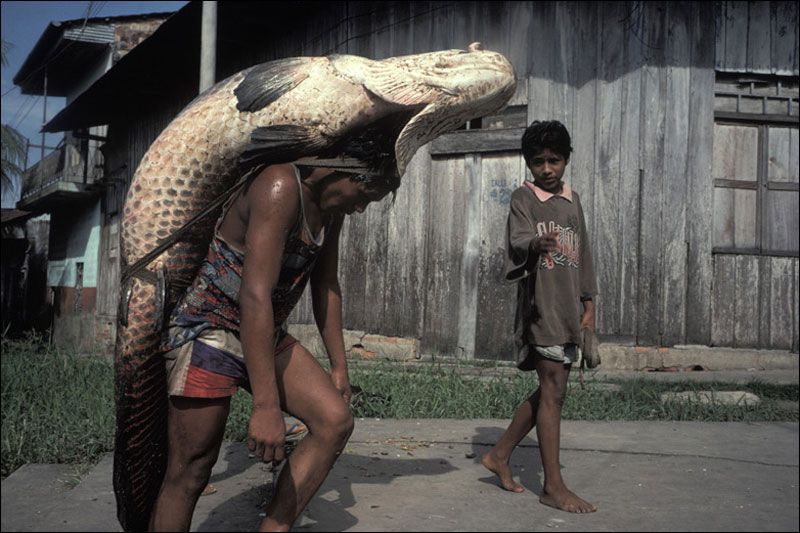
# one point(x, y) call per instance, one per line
point(443, 258)
point(735, 152)
point(629, 171)
point(496, 297)
point(520, 23)
point(783, 155)
point(782, 209)
point(404, 301)
point(723, 306)
point(604, 232)
point(736, 24)
point(468, 278)
point(746, 295)
point(420, 28)
point(759, 38)
point(724, 222)
point(745, 221)
point(699, 192)
point(540, 81)
point(796, 306)
point(784, 35)
point(561, 54)
point(654, 87)
point(353, 257)
point(377, 233)
point(781, 299)
point(763, 305)
point(584, 76)
point(720, 11)
point(674, 183)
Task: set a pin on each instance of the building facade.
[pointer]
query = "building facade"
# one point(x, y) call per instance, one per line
point(684, 119)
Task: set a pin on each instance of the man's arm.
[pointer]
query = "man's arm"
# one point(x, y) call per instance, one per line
point(273, 208)
point(326, 297)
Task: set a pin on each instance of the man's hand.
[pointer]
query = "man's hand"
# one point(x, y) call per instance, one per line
point(342, 384)
point(267, 434)
point(546, 243)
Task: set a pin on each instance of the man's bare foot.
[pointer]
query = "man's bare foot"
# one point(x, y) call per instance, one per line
point(502, 471)
point(566, 500)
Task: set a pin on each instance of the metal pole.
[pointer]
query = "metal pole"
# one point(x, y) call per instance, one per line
point(44, 113)
point(208, 45)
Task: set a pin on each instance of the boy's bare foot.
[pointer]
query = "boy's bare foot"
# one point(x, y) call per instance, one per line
point(502, 471)
point(566, 500)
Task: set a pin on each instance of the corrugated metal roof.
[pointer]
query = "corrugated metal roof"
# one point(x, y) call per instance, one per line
point(91, 33)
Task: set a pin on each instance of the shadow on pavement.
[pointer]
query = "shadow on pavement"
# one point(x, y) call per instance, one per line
point(526, 463)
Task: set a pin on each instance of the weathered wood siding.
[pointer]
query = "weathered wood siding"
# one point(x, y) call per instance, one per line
point(757, 37)
point(634, 84)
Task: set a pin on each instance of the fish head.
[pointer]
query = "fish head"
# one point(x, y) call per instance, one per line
point(451, 87)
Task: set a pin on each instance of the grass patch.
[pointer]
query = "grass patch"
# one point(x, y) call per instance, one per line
point(443, 391)
point(58, 407)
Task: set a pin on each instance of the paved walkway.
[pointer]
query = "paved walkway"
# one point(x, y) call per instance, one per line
point(425, 475)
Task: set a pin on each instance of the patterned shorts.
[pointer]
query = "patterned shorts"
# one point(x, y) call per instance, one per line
point(212, 365)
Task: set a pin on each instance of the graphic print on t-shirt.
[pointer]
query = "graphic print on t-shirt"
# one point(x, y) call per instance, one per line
point(566, 254)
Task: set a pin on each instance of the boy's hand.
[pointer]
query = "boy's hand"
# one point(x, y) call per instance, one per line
point(587, 320)
point(546, 243)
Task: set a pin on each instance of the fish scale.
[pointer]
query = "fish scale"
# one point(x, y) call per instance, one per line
point(196, 159)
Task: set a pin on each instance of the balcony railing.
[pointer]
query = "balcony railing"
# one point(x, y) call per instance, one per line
point(71, 170)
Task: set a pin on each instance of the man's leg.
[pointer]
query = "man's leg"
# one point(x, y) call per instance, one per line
point(521, 424)
point(553, 387)
point(196, 428)
point(307, 392)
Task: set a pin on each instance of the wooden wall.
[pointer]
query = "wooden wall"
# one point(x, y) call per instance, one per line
point(634, 84)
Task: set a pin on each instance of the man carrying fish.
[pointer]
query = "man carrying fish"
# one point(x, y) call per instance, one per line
point(281, 231)
point(294, 145)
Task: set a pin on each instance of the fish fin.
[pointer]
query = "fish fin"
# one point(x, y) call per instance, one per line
point(397, 85)
point(386, 80)
point(434, 120)
point(265, 83)
point(281, 143)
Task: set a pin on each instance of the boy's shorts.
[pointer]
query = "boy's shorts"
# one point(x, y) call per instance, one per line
point(562, 353)
point(212, 365)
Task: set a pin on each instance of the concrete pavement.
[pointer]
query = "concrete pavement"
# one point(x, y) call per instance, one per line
point(425, 475)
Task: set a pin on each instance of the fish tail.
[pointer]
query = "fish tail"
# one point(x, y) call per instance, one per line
point(140, 451)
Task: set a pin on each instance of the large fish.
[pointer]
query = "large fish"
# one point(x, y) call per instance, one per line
point(271, 113)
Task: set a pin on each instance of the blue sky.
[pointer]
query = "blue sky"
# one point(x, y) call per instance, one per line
point(22, 25)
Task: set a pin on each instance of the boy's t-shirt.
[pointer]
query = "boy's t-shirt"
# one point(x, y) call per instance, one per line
point(551, 285)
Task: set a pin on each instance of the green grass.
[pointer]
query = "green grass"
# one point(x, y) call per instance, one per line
point(431, 391)
point(58, 407)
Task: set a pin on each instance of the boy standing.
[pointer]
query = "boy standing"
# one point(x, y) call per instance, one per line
point(548, 253)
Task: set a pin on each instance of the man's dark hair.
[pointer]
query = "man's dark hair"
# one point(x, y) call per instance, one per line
point(546, 134)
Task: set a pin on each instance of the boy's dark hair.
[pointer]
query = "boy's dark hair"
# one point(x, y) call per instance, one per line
point(546, 134)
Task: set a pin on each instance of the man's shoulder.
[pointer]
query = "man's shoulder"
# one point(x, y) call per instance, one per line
point(277, 182)
point(284, 173)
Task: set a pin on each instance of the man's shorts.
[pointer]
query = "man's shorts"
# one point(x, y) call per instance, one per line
point(212, 365)
point(562, 353)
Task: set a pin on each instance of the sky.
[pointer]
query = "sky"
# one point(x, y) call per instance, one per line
point(23, 23)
